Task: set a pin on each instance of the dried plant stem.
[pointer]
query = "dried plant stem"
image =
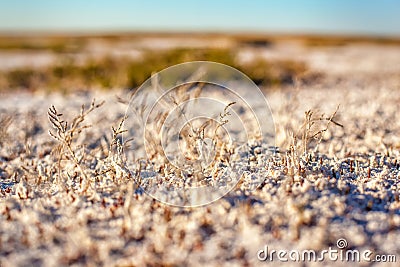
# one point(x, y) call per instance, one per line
point(323, 131)
point(66, 133)
point(310, 131)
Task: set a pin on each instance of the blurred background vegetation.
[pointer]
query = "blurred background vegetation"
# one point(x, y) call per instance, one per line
point(69, 72)
point(126, 61)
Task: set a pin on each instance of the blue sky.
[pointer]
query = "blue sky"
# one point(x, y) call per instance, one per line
point(371, 17)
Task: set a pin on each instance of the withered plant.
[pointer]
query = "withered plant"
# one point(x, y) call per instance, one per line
point(66, 134)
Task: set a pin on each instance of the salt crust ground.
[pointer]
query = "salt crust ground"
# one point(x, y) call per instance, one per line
point(350, 189)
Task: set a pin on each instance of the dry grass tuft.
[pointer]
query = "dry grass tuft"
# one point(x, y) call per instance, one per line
point(314, 128)
point(66, 134)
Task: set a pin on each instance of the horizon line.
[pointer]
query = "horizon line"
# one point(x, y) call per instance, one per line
point(116, 32)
